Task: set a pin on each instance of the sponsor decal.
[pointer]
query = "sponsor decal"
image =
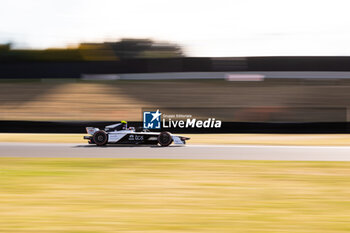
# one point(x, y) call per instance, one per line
point(133, 137)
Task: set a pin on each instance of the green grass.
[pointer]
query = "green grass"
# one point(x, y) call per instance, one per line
point(119, 195)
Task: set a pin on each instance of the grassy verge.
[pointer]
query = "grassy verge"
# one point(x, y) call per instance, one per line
point(253, 139)
point(116, 195)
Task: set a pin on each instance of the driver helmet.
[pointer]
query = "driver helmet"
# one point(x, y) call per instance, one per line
point(124, 124)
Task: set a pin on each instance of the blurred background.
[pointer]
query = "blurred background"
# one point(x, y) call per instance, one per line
point(248, 61)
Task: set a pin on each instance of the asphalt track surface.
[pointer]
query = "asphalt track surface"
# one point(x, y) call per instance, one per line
point(220, 152)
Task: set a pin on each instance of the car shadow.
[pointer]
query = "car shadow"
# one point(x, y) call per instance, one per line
point(124, 146)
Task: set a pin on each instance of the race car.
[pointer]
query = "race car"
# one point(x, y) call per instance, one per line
point(120, 134)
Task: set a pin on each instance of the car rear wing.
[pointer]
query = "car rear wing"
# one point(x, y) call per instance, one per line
point(91, 130)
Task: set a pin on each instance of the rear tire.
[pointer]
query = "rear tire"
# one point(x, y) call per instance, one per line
point(165, 139)
point(100, 138)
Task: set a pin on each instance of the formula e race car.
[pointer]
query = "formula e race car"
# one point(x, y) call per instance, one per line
point(121, 134)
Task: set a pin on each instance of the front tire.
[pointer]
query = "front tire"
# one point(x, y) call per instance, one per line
point(100, 138)
point(165, 139)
